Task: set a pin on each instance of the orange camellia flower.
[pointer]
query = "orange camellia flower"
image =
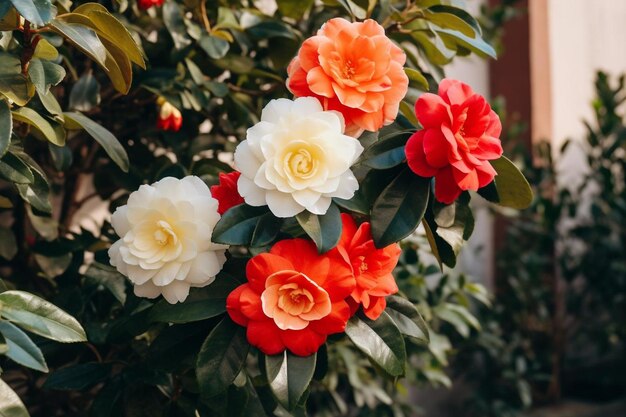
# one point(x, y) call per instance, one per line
point(461, 135)
point(371, 267)
point(294, 298)
point(352, 68)
point(169, 116)
point(226, 192)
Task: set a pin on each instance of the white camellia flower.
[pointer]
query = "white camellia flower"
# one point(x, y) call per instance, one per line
point(297, 158)
point(165, 238)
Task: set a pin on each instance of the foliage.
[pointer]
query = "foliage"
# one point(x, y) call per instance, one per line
point(79, 87)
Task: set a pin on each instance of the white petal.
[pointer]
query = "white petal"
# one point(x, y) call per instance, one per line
point(147, 290)
point(276, 109)
point(205, 267)
point(348, 185)
point(282, 204)
point(320, 207)
point(119, 221)
point(114, 253)
point(138, 275)
point(251, 193)
point(176, 292)
point(166, 274)
point(306, 198)
point(305, 106)
point(246, 161)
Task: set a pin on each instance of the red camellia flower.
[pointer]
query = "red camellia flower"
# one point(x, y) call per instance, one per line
point(352, 68)
point(146, 4)
point(294, 298)
point(461, 134)
point(371, 267)
point(226, 192)
point(169, 117)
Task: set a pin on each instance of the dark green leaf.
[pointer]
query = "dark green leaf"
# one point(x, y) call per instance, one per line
point(289, 376)
point(78, 377)
point(400, 207)
point(85, 94)
point(406, 317)
point(324, 230)
point(6, 127)
point(236, 227)
point(44, 74)
point(61, 156)
point(37, 193)
point(175, 24)
point(416, 79)
point(380, 340)
point(294, 8)
point(51, 132)
point(109, 278)
point(266, 230)
point(40, 317)
point(474, 43)
point(11, 405)
point(387, 152)
point(512, 187)
point(214, 46)
point(39, 12)
point(83, 38)
point(202, 303)
point(14, 85)
point(109, 143)
point(221, 358)
point(15, 170)
point(8, 244)
point(21, 349)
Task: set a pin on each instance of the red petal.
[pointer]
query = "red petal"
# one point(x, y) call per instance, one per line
point(466, 181)
point(266, 336)
point(376, 307)
point(233, 306)
point(436, 148)
point(262, 266)
point(335, 321)
point(432, 111)
point(415, 156)
point(303, 342)
point(446, 189)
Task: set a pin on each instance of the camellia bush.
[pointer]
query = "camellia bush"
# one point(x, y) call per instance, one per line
point(258, 166)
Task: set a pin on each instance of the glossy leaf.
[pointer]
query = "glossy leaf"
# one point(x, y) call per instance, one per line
point(237, 225)
point(380, 340)
point(11, 405)
point(221, 358)
point(202, 303)
point(6, 127)
point(387, 152)
point(13, 84)
point(85, 94)
point(109, 278)
point(54, 134)
point(400, 207)
point(39, 12)
point(45, 50)
point(215, 47)
point(82, 37)
point(474, 43)
point(512, 187)
point(266, 230)
point(41, 317)
point(21, 349)
point(324, 230)
point(406, 317)
point(109, 143)
point(8, 244)
point(36, 193)
point(78, 377)
point(289, 376)
point(44, 74)
point(416, 79)
point(173, 19)
point(15, 170)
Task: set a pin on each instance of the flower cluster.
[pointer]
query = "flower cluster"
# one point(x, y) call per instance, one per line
point(295, 297)
point(299, 158)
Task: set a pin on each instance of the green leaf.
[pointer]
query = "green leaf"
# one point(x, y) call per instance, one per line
point(175, 24)
point(109, 278)
point(108, 27)
point(202, 303)
point(37, 193)
point(38, 12)
point(51, 104)
point(474, 43)
point(85, 94)
point(406, 317)
point(416, 79)
point(15, 170)
point(82, 37)
point(434, 48)
point(237, 225)
point(450, 21)
point(38, 316)
point(512, 187)
point(109, 143)
point(11, 405)
point(324, 230)
point(221, 358)
point(44, 74)
point(61, 156)
point(13, 84)
point(294, 9)
point(380, 340)
point(289, 376)
point(6, 127)
point(400, 207)
point(266, 230)
point(46, 130)
point(215, 47)
point(387, 153)
point(468, 18)
point(8, 244)
point(78, 377)
point(21, 349)
point(45, 50)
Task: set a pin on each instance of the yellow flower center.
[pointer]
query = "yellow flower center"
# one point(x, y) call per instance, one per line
point(164, 234)
point(301, 163)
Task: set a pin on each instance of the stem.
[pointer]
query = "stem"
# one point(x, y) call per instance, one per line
point(204, 16)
